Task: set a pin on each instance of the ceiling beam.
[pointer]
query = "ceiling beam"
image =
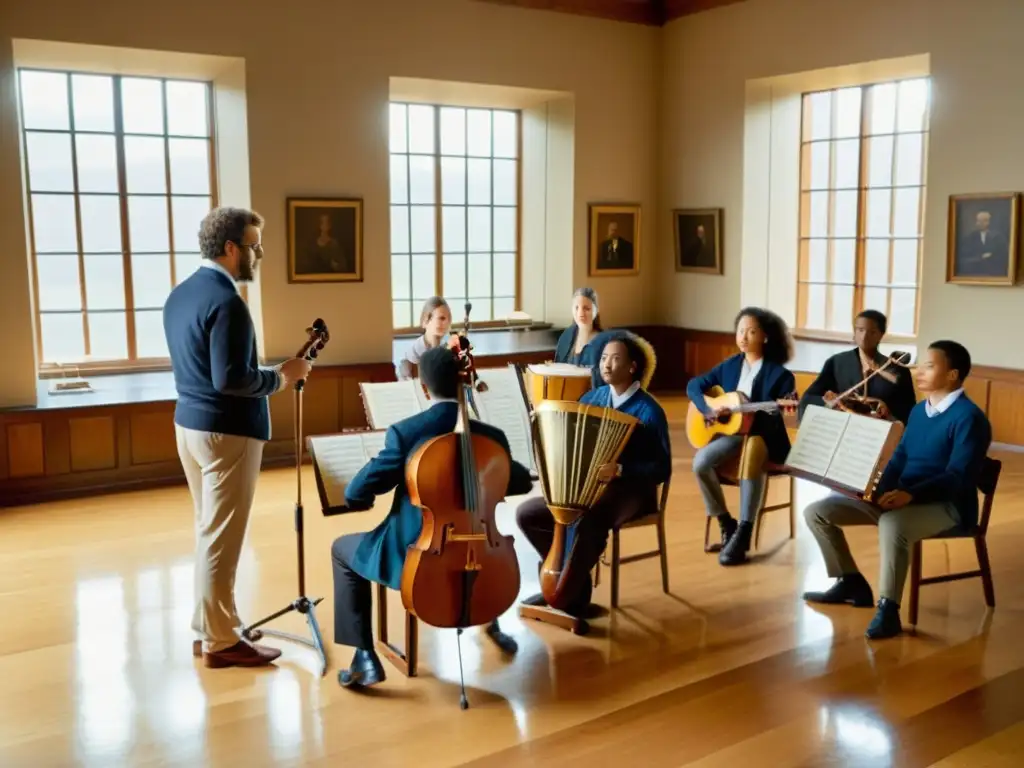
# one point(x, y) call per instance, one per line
point(674, 9)
point(650, 12)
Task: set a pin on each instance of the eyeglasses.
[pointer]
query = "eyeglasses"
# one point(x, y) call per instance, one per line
point(257, 248)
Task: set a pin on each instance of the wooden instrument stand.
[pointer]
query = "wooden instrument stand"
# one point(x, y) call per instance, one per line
point(549, 615)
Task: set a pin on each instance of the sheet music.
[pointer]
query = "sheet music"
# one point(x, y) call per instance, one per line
point(502, 406)
point(421, 395)
point(821, 430)
point(340, 457)
point(855, 458)
point(388, 402)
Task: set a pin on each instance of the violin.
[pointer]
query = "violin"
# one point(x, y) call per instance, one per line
point(461, 347)
point(460, 572)
point(852, 401)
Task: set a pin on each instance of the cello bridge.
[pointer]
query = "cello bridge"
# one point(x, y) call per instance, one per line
point(467, 537)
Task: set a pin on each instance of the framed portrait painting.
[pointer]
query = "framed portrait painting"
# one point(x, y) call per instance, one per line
point(325, 240)
point(982, 241)
point(698, 237)
point(614, 240)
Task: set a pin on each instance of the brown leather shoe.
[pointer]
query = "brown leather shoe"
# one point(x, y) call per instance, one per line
point(241, 654)
point(197, 645)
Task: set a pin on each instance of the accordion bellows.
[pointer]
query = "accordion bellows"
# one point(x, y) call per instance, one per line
point(571, 442)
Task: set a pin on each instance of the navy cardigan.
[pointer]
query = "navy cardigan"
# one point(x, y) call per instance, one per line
point(773, 382)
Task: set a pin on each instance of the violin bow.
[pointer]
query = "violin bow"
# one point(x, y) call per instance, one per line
point(896, 359)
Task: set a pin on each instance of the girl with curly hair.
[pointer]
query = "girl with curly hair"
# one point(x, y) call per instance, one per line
point(758, 372)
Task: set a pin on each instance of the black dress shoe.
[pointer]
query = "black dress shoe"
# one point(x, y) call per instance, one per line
point(364, 671)
point(505, 642)
point(852, 589)
point(735, 550)
point(727, 526)
point(886, 622)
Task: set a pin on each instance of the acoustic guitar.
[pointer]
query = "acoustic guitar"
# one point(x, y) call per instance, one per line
point(701, 429)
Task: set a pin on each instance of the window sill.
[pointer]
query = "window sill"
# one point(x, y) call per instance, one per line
point(491, 327)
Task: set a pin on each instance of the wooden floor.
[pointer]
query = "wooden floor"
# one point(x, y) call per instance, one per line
point(729, 669)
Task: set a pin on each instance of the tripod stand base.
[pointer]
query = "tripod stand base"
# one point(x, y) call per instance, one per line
point(304, 606)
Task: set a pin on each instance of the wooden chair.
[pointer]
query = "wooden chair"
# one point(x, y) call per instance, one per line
point(406, 661)
point(987, 482)
point(656, 519)
point(774, 472)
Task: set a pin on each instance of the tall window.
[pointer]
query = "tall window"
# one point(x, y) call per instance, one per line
point(862, 204)
point(120, 174)
point(454, 210)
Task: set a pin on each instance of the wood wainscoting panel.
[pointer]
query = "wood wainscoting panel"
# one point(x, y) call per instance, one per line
point(1006, 412)
point(92, 443)
point(803, 381)
point(25, 454)
point(57, 446)
point(151, 435)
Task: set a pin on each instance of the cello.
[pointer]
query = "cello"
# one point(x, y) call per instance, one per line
point(460, 572)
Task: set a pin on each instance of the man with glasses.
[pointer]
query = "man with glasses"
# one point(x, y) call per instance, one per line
point(222, 421)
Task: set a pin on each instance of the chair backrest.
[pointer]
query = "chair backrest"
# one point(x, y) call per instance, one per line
point(988, 479)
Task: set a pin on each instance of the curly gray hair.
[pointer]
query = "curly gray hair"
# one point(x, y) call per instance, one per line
point(225, 225)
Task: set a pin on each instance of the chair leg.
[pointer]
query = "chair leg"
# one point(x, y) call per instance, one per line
point(615, 569)
point(981, 546)
point(663, 554)
point(707, 532)
point(915, 582)
point(597, 573)
point(757, 529)
point(792, 507)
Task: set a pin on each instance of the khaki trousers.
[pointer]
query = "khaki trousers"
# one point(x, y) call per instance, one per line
point(221, 471)
point(898, 530)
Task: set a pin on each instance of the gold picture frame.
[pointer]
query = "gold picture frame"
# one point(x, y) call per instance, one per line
point(325, 240)
point(698, 240)
point(982, 241)
point(613, 244)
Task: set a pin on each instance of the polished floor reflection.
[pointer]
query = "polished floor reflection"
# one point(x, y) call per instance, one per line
point(731, 668)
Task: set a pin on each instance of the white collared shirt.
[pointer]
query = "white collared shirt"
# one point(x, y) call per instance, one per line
point(747, 376)
point(943, 406)
point(210, 264)
point(617, 400)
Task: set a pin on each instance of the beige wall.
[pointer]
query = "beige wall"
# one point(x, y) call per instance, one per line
point(317, 87)
point(975, 60)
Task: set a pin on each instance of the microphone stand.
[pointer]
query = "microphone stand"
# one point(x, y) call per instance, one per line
point(302, 604)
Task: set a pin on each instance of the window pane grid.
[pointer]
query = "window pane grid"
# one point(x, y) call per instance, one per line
point(454, 201)
point(862, 186)
point(132, 158)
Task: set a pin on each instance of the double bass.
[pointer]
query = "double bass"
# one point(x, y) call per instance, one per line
point(460, 572)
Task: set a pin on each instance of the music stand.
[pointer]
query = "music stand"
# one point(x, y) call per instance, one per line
point(302, 604)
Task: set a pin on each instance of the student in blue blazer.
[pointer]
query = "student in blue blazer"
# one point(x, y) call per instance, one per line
point(758, 372)
point(576, 344)
point(379, 556)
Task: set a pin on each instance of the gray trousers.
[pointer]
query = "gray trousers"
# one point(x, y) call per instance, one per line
point(898, 530)
point(713, 455)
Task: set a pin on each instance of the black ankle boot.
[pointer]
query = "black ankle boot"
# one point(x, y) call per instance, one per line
point(505, 642)
point(851, 589)
point(886, 622)
point(727, 527)
point(735, 550)
point(364, 671)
